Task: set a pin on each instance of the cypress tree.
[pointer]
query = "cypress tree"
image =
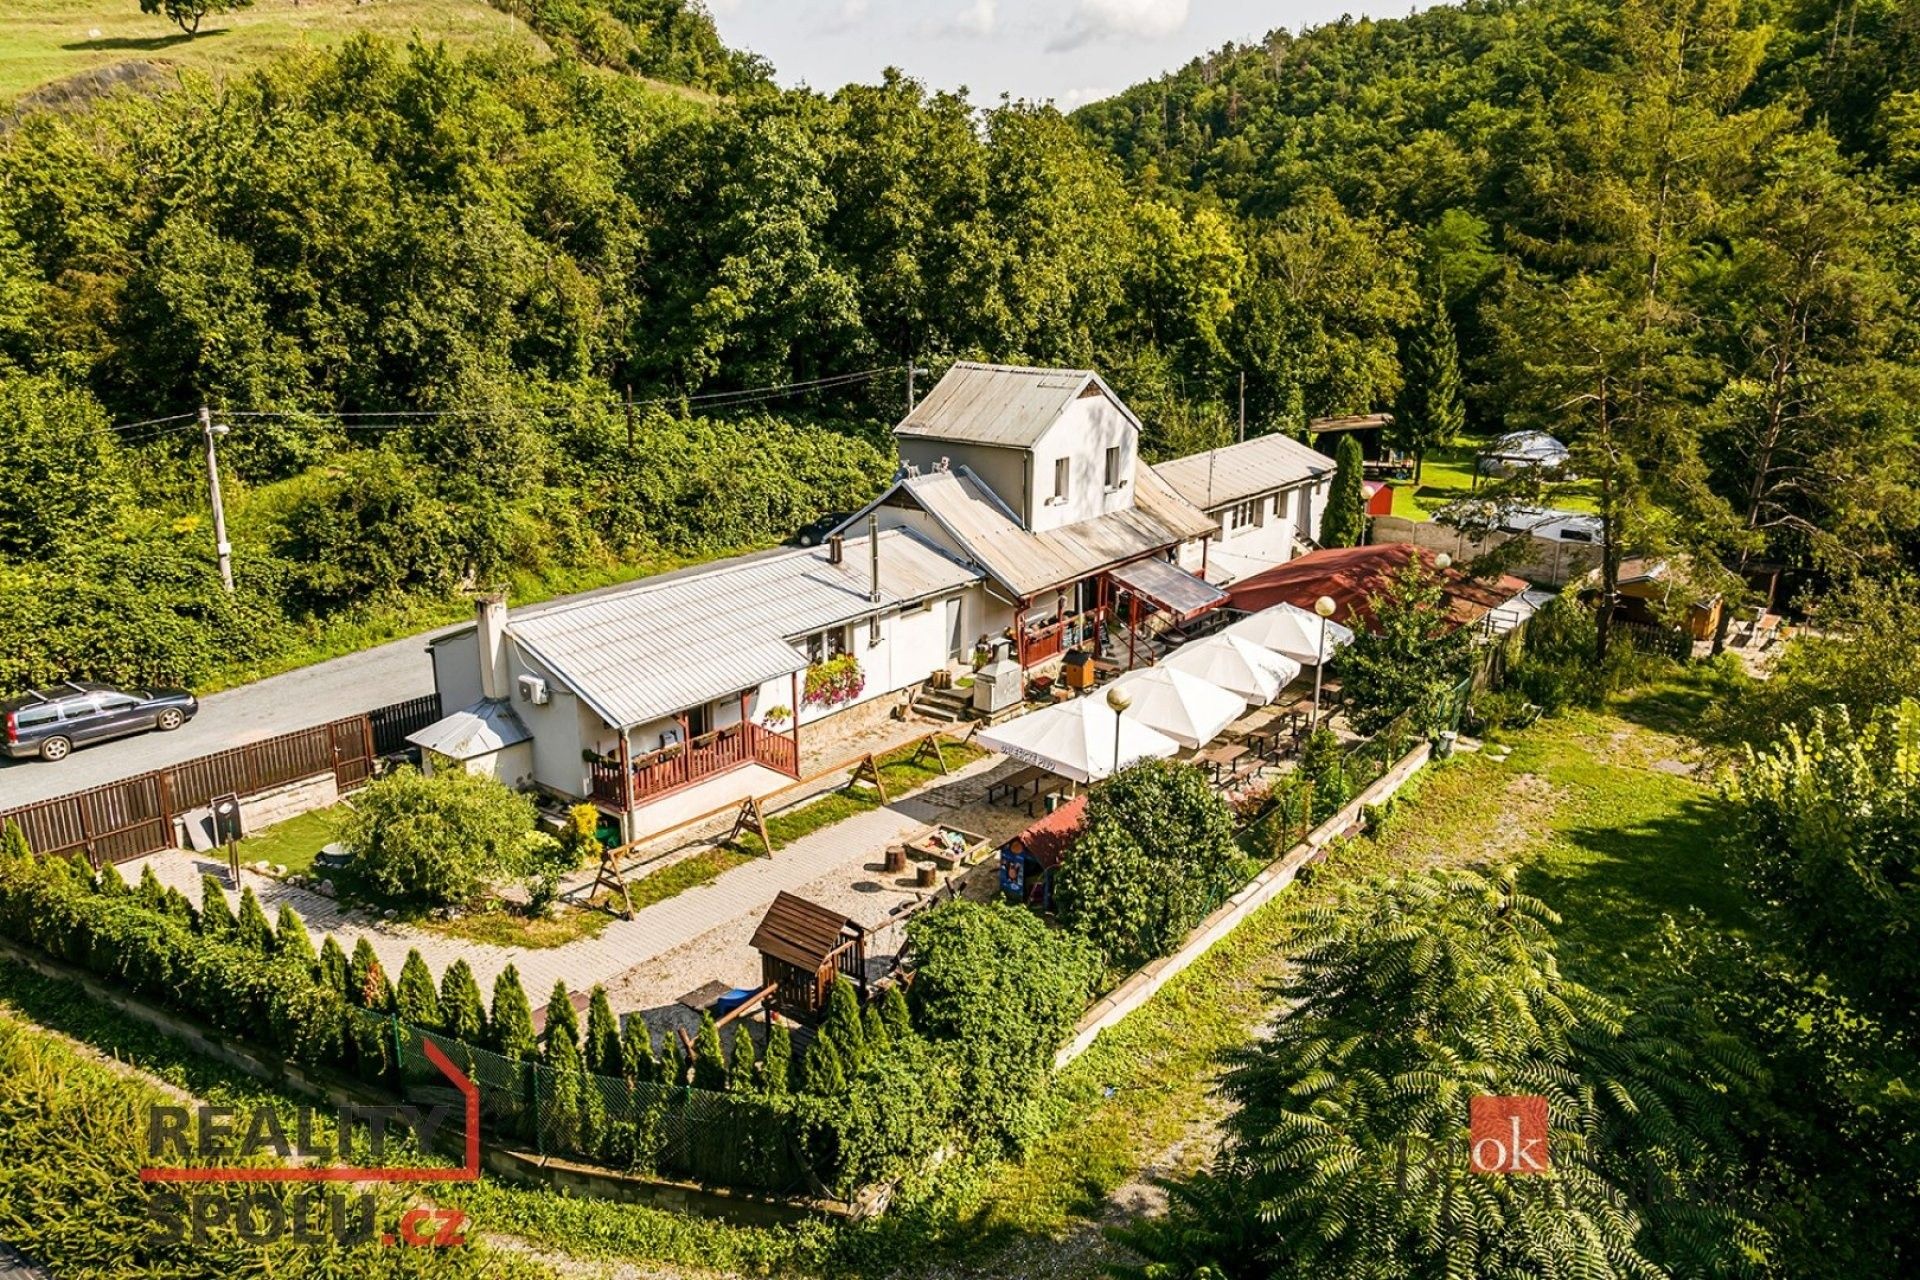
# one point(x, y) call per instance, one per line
point(779, 1060)
point(561, 1122)
point(216, 918)
point(334, 970)
point(603, 1036)
point(367, 984)
point(150, 892)
point(250, 928)
point(741, 1077)
point(673, 1062)
point(562, 1021)
point(709, 1059)
point(290, 940)
point(14, 846)
point(1428, 411)
point(637, 1062)
point(461, 1009)
point(418, 1002)
point(175, 904)
point(893, 1011)
point(593, 1113)
point(512, 1018)
point(112, 883)
point(823, 1072)
point(842, 1024)
point(874, 1027)
point(1345, 519)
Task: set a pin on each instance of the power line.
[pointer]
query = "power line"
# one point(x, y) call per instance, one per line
point(153, 422)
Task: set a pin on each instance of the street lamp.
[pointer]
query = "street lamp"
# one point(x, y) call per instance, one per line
point(1324, 606)
point(1117, 699)
point(1443, 562)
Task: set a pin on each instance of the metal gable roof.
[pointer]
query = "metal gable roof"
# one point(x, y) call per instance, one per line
point(661, 647)
point(1219, 477)
point(487, 726)
point(1008, 406)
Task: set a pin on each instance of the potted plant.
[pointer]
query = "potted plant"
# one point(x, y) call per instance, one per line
point(835, 682)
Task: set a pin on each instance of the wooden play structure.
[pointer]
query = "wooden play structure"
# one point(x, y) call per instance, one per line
point(803, 946)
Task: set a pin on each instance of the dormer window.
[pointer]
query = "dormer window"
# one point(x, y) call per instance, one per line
point(1114, 472)
point(1060, 479)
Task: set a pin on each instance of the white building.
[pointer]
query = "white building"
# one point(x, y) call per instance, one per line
point(692, 687)
point(1267, 496)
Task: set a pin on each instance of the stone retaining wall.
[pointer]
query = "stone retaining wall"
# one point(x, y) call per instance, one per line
point(1229, 915)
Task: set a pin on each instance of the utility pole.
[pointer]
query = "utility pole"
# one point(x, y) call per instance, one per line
point(221, 546)
point(1243, 406)
point(629, 418)
point(910, 372)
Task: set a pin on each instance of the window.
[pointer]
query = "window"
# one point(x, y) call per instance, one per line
point(830, 643)
point(117, 702)
point(45, 713)
point(1059, 479)
point(1243, 515)
point(1113, 467)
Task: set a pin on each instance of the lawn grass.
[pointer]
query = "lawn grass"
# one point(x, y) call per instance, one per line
point(904, 770)
point(502, 926)
point(295, 842)
point(45, 40)
point(691, 871)
point(1447, 477)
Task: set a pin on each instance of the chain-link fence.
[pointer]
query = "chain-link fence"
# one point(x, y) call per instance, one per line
point(745, 1140)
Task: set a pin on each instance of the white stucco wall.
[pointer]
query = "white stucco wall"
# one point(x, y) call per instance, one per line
point(1082, 435)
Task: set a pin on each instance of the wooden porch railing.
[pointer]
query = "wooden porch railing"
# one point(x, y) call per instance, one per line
point(1042, 643)
point(671, 768)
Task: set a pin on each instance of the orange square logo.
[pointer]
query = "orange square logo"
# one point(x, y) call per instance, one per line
point(1509, 1134)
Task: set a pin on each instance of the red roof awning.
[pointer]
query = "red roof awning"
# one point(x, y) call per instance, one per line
point(1351, 576)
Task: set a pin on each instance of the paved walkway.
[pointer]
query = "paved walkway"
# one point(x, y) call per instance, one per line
point(842, 850)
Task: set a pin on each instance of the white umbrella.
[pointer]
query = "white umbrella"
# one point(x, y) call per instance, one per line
point(1076, 739)
point(1186, 708)
point(1288, 629)
point(1255, 673)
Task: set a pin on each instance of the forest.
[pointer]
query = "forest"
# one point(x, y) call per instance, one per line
point(486, 317)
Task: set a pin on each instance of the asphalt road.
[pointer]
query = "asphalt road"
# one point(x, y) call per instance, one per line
point(279, 704)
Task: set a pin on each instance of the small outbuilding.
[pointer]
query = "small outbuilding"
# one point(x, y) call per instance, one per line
point(803, 946)
point(1028, 859)
point(1521, 451)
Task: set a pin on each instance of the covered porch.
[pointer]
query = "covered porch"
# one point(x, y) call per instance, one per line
point(1132, 595)
point(631, 779)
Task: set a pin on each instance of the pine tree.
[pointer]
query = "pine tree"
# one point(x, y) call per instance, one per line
point(741, 1076)
point(562, 1022)
point(560, 1121)
point(842, 1023)
point(511, 1021)
point(250, 928)
point(637, 1062)
point(823, 1072)
point(290, 940)
point(367, 983)
point(1345, 519)
point(1427, 411)
point(334, 970)
point(776, 1068)
point(894, 1012)
point(461, 1009)
point(709, 1059)
point(875, 1029)
point(603, 1036)
point(216, 918)
point(14, 846)
point(151, 893)
point(418, 1002)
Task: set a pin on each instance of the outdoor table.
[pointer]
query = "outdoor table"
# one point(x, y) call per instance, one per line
point(1015, 782)
point(1227, 755)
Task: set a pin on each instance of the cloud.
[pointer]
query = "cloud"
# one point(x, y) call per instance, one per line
point(851, 14)
point(1094, 21)
point(978, 18)
point(1080, 97)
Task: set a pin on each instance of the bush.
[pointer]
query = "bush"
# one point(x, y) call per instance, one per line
point(889, 1121)
point(1156, 854)
point(437, 840)
point(1001, 991)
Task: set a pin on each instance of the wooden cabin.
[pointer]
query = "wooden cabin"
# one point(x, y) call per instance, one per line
point(803, 946)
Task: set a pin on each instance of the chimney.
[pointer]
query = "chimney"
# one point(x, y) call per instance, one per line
point(836, 549)
point(490, 619)
point(873, 553)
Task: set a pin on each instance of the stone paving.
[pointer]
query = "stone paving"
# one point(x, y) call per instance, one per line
point(700, 932)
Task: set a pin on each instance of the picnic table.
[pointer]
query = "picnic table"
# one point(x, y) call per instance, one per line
point(1017, 781)
point(1225, 756)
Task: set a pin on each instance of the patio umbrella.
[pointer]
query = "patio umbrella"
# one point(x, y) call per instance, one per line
point(1238, 666)
point(1186, 708)
point(1290, 630)
point(1076, 739)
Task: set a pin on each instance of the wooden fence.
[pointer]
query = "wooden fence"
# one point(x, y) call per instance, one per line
point(392, 723)
point(119, 821)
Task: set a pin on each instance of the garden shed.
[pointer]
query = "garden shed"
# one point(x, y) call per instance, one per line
point(803, 946)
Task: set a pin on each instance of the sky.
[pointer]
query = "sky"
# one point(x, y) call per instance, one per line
point(1069, 51)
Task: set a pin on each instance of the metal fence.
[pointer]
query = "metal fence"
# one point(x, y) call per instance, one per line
point(119, 821)
point(744, 1140)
